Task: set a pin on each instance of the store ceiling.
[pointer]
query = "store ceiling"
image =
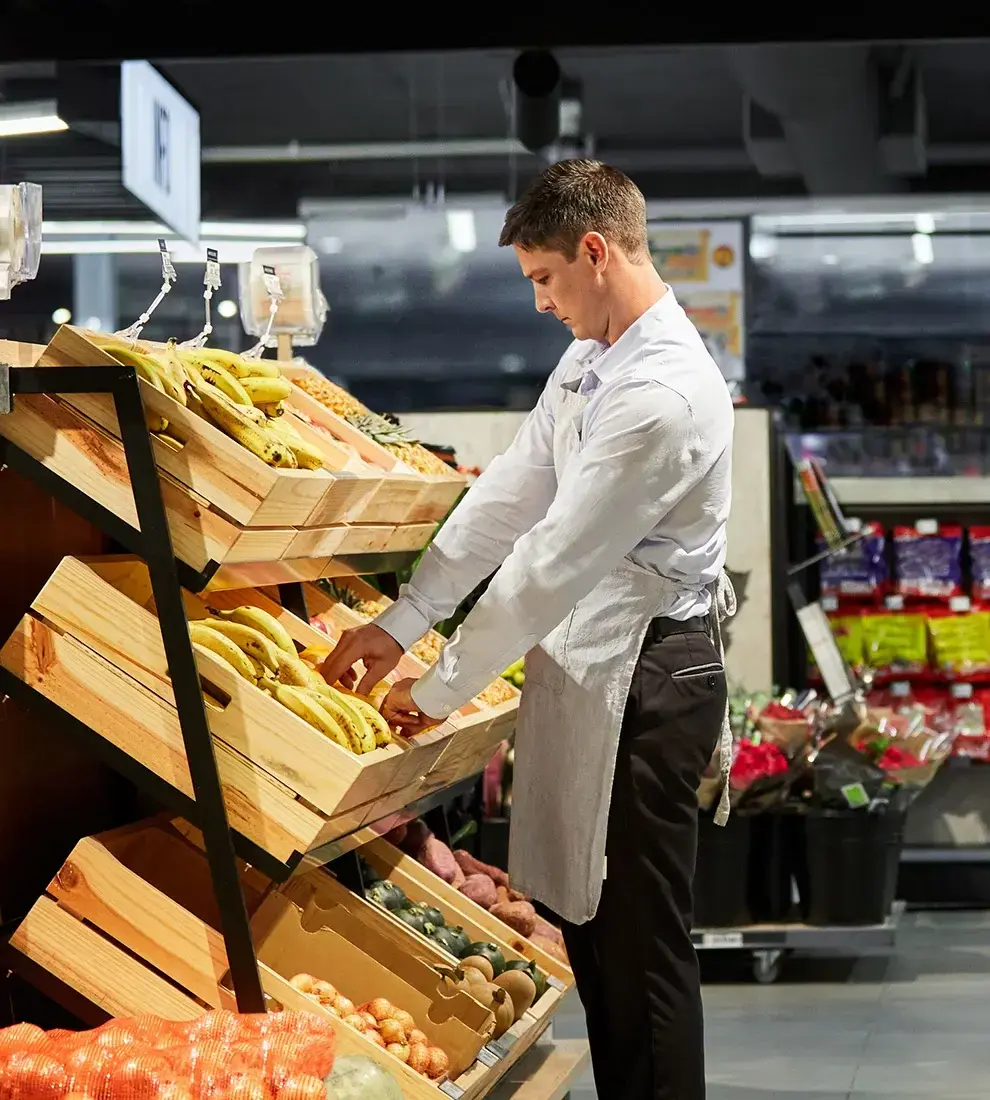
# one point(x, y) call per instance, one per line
point(840, 119)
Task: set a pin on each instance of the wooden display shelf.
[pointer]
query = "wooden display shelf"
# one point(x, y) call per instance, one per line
point(437, 493)
point(547, 1072)
point(421, 884)
point(129, 923)
point(92, 645)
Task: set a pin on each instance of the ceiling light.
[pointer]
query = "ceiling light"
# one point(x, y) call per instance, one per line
point(762, 246)
point(921, 244)
point(95, 324)
point(924, 223)
point(181, 252)
point(280, 231)
point(460, 227)
point(62, 316)
point(227, 308)
point(39, 117)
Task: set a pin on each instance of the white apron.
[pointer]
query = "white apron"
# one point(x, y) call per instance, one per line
point(570, 718)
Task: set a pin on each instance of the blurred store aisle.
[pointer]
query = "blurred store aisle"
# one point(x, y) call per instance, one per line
point(910, 1026)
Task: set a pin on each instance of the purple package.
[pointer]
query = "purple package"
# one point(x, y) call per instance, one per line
point(860, 569)
point(979, 560)
point(928, 560)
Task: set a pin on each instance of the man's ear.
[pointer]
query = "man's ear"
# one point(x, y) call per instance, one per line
point(595, 248)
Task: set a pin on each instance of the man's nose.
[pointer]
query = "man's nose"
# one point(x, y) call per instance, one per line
point(544, 304)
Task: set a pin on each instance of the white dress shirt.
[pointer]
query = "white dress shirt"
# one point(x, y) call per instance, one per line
point(650, 481)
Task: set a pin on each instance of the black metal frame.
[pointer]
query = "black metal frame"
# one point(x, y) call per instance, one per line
point(153, 542)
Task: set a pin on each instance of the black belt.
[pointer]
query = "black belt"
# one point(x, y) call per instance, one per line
point(663, 627)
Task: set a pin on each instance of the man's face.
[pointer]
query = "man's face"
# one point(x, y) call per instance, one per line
point(572, 290)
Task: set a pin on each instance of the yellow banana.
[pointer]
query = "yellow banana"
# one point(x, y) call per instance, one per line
point(198, 648)
point(302, 704)
point(201, 632)
point(307, 456)
point(238, 366)
point(359, 737)
point(274, 409)
point(348, 717)
point(246, 638)
point(131, 357)
point(266, 390)
point(258, 368)
point(379, 727)
point(249, 615)
point(293, 672)
point(225, 382)
point(172, 372)
point(230, 419)
point(315, 654)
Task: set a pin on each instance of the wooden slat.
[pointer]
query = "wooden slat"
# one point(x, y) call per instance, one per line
point(94, 967)
point(145, 727)
point(409, 536)
point(547, 1072)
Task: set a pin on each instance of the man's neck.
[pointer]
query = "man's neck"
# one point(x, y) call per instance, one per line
point(634, 289)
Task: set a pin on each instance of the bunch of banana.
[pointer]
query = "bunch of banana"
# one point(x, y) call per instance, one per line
point(242, 397)
point(256, 646)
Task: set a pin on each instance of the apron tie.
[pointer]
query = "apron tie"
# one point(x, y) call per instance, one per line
point(723, 607)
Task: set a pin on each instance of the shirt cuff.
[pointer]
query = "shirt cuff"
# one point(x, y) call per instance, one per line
point(434, 698)
point(403, 622)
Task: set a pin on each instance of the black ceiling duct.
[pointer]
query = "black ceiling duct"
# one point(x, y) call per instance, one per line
point(537, 77)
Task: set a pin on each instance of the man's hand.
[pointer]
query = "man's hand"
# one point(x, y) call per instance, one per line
point(399, 709)
point(374, 647)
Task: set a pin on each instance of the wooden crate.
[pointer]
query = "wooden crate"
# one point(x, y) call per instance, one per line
point(129, 923)
point(349, 913)
point(424, 886)
point(92, 644)
point(215, 467)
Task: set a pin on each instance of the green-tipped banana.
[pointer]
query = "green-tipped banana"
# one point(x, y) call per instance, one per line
point(267, 624)
point(266, 390)
point(251, 641)
point(226, 415)
point(225, 382)
point(201, 633)
point(304, 706)
point(379, 727)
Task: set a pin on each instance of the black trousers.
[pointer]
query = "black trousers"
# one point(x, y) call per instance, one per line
point(634, 963)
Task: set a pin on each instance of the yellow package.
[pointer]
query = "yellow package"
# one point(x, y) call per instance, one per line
point(960, 643)
point(896, 644)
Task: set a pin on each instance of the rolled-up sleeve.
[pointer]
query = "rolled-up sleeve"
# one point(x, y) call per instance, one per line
point(507, 500)
point(642, 453)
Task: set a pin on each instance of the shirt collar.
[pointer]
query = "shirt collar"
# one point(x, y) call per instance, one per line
point(604, 362)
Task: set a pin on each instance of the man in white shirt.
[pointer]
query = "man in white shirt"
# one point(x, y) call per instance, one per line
point(604, 524)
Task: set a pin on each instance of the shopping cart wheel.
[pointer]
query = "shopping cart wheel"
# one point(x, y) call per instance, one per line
point(767, 966)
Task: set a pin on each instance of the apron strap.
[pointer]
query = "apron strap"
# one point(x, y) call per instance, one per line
point(723, 607)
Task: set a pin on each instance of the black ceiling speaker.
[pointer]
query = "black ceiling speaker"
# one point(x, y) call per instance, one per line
point(537, 77)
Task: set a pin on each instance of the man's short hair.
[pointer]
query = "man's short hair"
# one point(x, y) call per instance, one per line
point(575, 197)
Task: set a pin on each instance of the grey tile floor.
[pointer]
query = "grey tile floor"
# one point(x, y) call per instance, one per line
point(912, 1024)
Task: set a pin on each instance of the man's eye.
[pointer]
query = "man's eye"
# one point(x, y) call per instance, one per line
point(544, 280)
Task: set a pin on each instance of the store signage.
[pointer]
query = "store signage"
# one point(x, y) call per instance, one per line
point(160, 148)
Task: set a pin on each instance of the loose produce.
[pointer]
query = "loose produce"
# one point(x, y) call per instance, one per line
point(518, 915)
point(242, 397)
point(471, 866)
point(253, 644)
point(481, 890)
point(383, 1023)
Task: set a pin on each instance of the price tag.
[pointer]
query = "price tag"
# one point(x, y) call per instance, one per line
point(927, 526)
point(211, 279)
point(959, 603)
point(448, 1088)
point(500, 1047)
point(722, 939)
point(901, 689)
point(168, 271)
point(961, 691)
point(487, 1056)
point(830, 603)
point(271, 280)
point(556, 983)
point(894, 603)
point(854, 525)
point(855, 795)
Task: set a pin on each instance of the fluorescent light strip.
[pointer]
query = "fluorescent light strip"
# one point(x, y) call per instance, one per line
point(230, 251)
point(38, 124)
point(282, 231)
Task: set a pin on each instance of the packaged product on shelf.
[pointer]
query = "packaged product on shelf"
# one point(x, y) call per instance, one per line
point(896, 644)
point(928, 560)
point(859, 570)
point(960, 643)
point(969, 709)
point(847, 629)
point(979, 563)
